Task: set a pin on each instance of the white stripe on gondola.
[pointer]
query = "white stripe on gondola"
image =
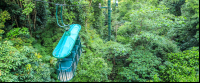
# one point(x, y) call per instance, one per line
point(65, 76)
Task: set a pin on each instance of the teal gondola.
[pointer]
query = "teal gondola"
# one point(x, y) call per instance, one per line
point(67, 51)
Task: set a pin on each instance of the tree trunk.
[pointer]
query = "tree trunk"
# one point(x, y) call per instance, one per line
point(29, 25)
point(35, 16)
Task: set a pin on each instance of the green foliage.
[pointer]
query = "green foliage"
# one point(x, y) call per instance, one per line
point(124, 33)
point(185, 30)
point(158, 45)
point(17, 32)
point(20, 37)
point(191, 8)
point(92, 68)
point(28, 6)
point(28, 65)
point(174, 6)
point(46, 56)
point(188, 58)
point(191, 12)
point(125, 5)
point(183, 67)
point(4, 15)
point(145, 17)
point(113, 49)
point(197, 36)
point(143, 66)
point(149, 51)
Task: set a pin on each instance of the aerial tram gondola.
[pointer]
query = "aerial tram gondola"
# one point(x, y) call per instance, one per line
point(67, 51)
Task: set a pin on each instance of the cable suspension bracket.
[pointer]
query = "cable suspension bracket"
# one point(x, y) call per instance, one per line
point(64, 25)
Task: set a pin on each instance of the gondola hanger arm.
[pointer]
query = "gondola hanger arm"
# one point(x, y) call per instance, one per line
point(64, 25)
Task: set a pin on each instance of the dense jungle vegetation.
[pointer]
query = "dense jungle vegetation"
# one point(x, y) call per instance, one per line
point(152, 40)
